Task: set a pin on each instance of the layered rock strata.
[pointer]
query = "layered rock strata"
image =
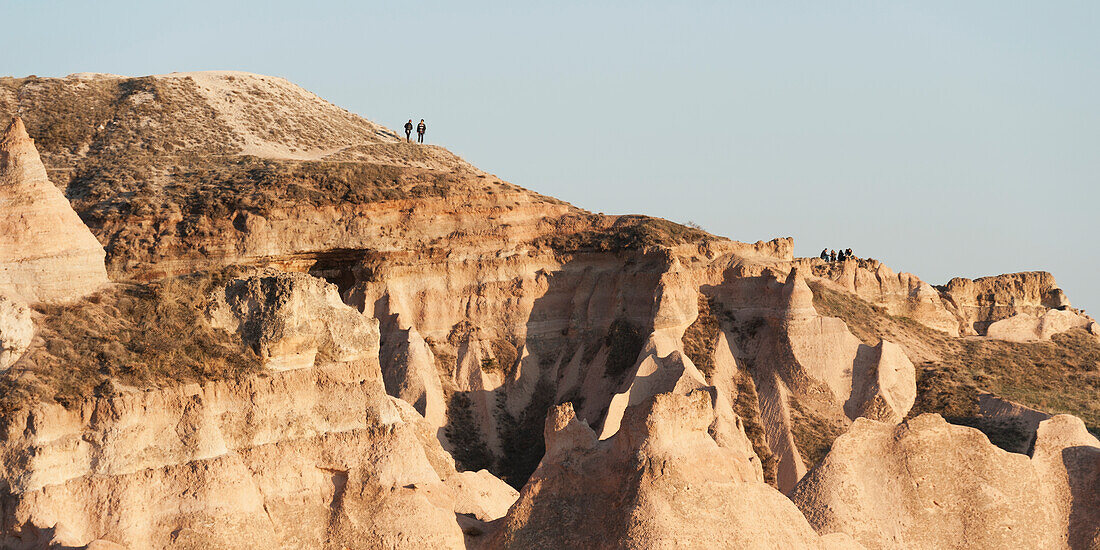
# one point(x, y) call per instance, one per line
point(986, 300)
point(280, 460)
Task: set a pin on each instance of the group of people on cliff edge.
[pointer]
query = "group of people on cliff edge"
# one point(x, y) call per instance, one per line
point(420, 129)
point(834, 256)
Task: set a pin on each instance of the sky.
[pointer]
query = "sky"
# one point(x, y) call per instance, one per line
point(945, 138)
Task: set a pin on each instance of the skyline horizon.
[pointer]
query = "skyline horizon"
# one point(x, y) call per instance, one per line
point(962, 144)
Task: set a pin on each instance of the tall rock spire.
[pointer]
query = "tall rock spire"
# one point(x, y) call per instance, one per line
point(47, 254)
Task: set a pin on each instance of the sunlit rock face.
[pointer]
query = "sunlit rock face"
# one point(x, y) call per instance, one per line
point(47, 254)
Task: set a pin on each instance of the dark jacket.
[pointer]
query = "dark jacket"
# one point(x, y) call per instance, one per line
point(408, 126)
point(421, 127)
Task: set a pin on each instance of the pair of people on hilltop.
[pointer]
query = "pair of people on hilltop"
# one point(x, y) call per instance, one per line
point(420, 129)
point(834, 256)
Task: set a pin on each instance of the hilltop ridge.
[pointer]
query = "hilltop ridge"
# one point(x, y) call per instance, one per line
point(318, 335)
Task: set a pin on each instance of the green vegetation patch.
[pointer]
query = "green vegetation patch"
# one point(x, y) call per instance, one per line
point(624, 341)
point(521, 437)
point(462, 430)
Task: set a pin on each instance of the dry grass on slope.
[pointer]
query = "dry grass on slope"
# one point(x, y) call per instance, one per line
point(142, 335)
point(1059, 376)
point(600, 233)
point(700, 343)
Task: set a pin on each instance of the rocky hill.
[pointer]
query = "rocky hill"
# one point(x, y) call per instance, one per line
point(317, 335)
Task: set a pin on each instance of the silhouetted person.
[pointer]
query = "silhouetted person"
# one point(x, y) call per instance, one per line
point(848, 253)
point(420, 129)
point(832, 255)
point(840, 257)
point(408, 130)
point(825, 254)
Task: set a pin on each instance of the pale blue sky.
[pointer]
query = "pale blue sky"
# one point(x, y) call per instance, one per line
point(946, 138)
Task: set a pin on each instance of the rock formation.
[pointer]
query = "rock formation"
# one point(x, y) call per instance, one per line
point(47, 254)
point(983, 301)
point(902, 294)
point(292, 319)
point(928, 484)
point(1024, 327)
point(1067, 457)
point(416, 319)
point(886, 391)
point(16, 331)
point(282, 460)
point(642, 487)
point(808, 367)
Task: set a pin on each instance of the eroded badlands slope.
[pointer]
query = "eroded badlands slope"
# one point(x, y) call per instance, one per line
point(316, 334)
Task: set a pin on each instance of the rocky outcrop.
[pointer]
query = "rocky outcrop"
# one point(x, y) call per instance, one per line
point(901, 294)
point(1068, 459)
point(284, 459)
point(292, 319)
point(704, 367)
point(47, 254)
point(983, 301)
point(887, 390)
point(410, 372)
point(16, 331)
point(929, 484)
point(809, 368)
point(654, 375)
point(1024, 327)
point(642, 487)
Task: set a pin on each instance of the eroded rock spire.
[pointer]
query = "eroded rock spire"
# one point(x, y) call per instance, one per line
point(47, 254)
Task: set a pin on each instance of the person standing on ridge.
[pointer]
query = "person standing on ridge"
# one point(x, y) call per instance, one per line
point(420, 129)
point(408, 130)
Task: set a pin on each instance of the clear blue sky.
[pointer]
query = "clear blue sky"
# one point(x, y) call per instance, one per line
point(946, 138)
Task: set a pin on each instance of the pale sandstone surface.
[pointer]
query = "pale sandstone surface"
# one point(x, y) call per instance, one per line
point(1067, 457)
point(292, 319)
point(410, 372)
point(902, 294)
point(16, 331)
point(1014, 306)
point(47, 254)
point(983, 301)
point(1024, 327)
point(281, 460)
point(641, 488)
point(799, 355)
point(492, 304)
point(886, 391)
point(561, 311)
point(928, 484)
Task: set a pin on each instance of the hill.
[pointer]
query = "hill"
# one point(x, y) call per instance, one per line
point(315, 331)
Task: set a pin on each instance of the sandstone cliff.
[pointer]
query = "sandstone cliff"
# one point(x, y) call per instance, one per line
point(321, 336)
point(643, 487)
point(279, 460)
